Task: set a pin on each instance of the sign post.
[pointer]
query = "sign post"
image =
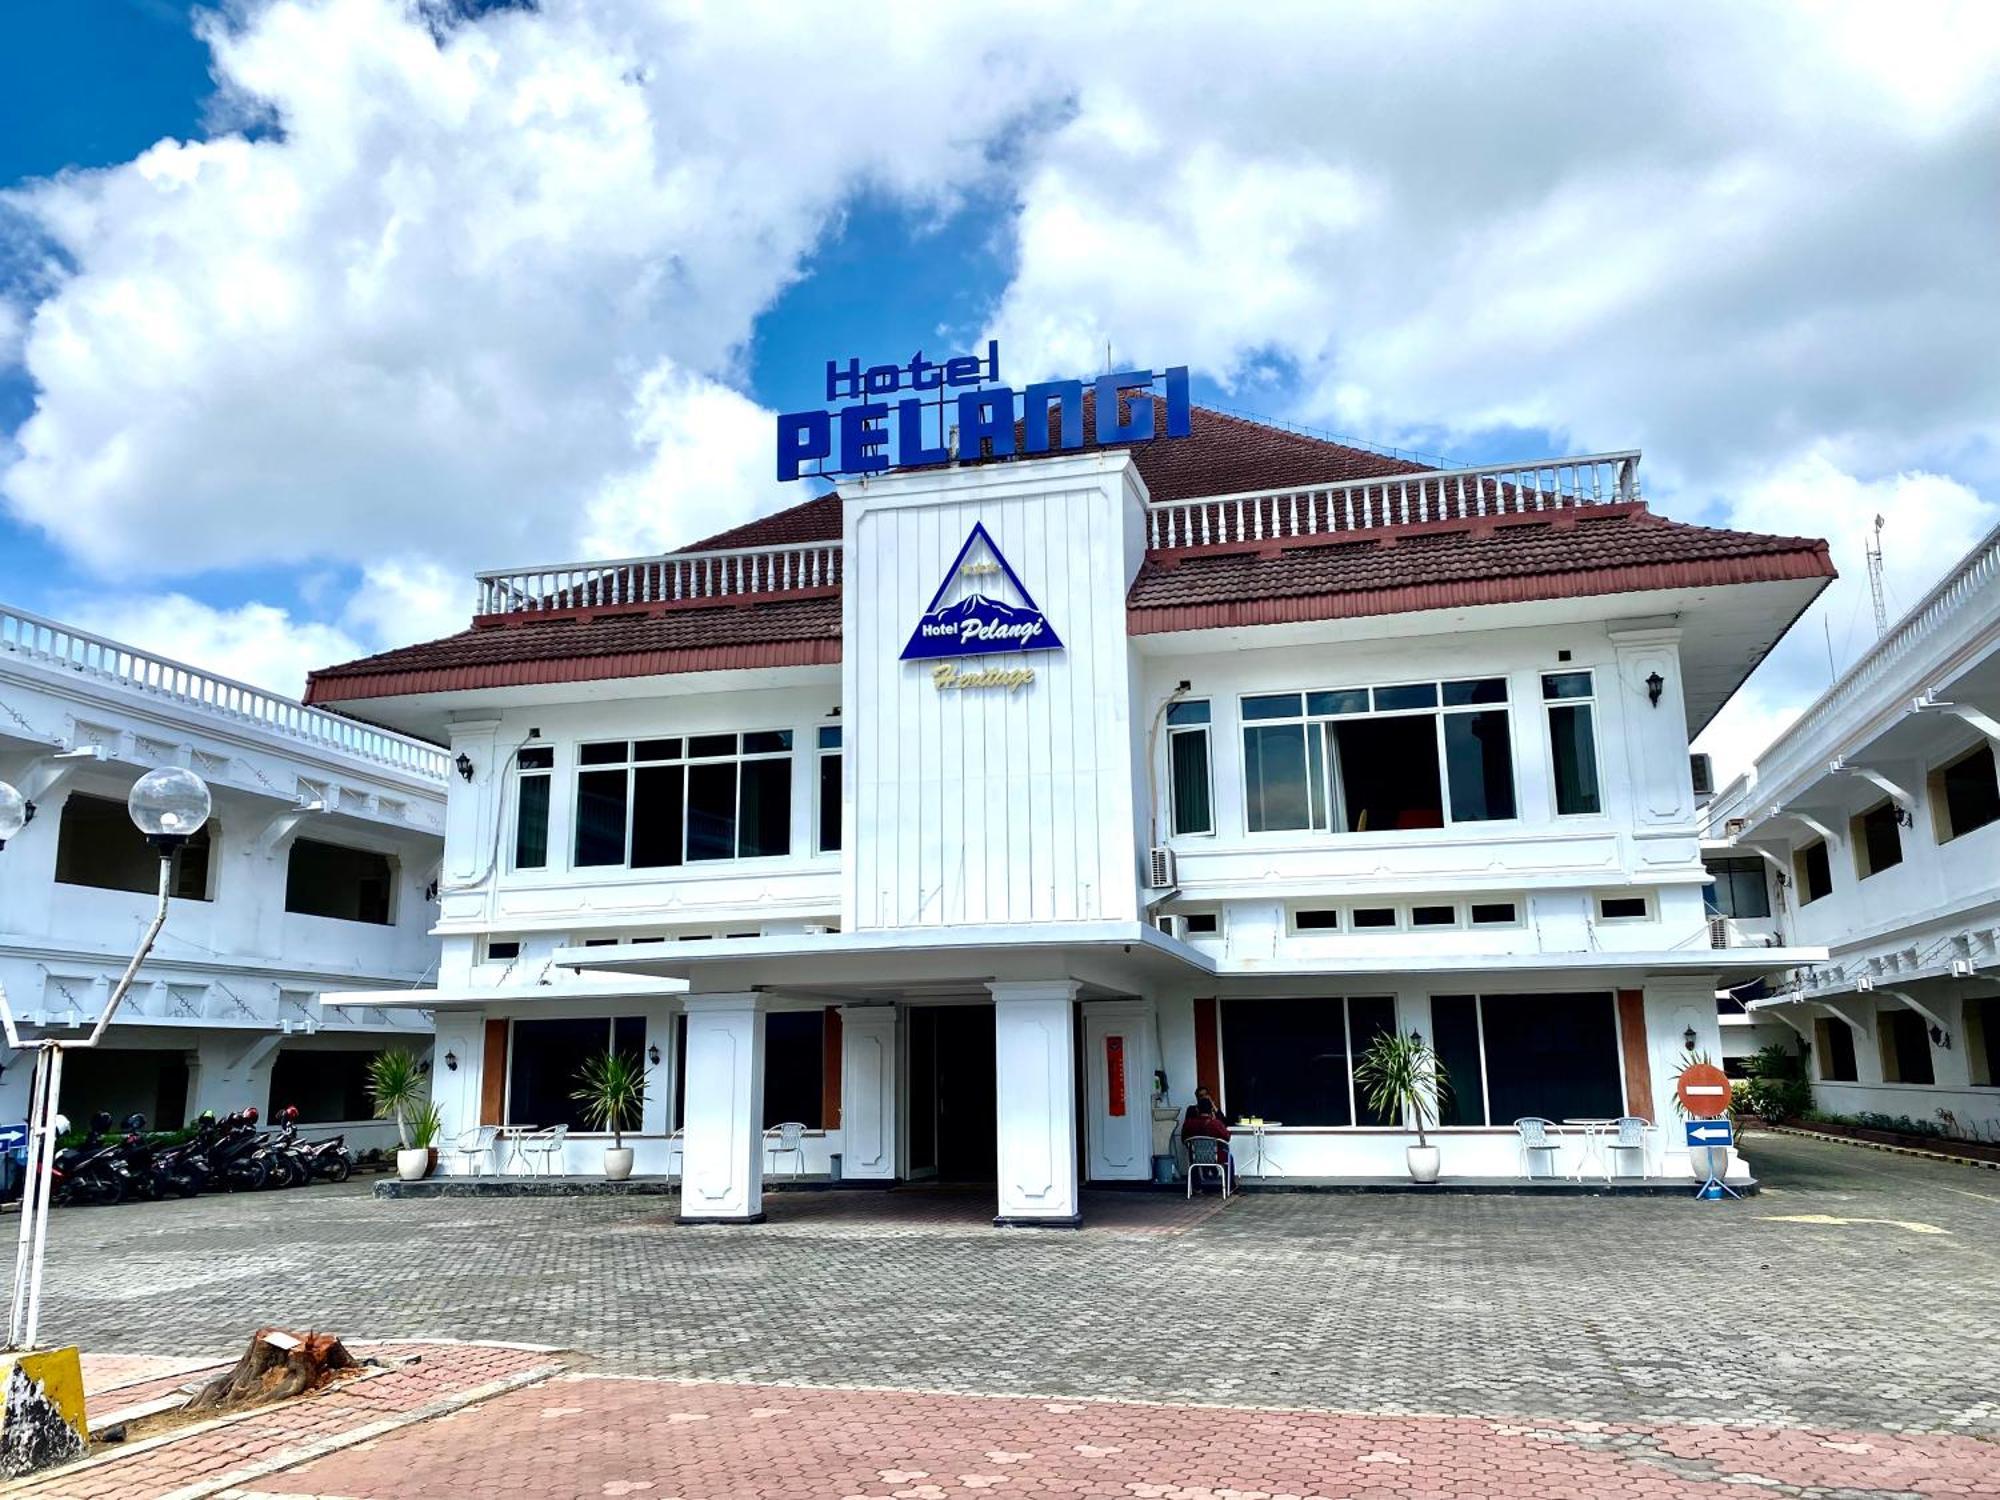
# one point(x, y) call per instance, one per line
point(1703, 1090)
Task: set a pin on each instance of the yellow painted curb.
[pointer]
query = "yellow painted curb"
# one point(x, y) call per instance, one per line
point(41, 1411)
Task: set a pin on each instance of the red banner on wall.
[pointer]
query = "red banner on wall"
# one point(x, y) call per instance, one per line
point(1114, 1061)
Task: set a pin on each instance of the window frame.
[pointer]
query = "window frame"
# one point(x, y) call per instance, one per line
point(1801, 863)
point(1587, 702)
point(1946, 830)
point(522, 774)
point(631, 765)
point(822, 752)
point(610, 1041)
point(1323, 800)
point(1644, 914)
point(1729, 868)
point(1232, 1113)
point(1479, 999)
point(1174, 732)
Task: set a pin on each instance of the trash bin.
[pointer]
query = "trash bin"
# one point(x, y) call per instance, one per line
point(1163, 1170)
point(833, 1166)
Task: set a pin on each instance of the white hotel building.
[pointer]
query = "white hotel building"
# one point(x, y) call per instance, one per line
point(1872, 827)
point(311, 875)
point(1333, 744)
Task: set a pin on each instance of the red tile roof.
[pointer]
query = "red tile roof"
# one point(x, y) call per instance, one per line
point(1496, 559)
point(1611, 549)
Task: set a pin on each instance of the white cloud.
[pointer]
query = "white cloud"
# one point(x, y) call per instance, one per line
point(254, 643)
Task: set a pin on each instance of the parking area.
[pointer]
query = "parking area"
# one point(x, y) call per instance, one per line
point(1857, 1292)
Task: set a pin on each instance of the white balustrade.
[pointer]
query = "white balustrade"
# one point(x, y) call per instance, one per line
point(1395, 500)
point(55, 645)
point(638, 581)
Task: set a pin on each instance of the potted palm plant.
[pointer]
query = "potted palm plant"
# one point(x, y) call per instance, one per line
point(396, 1084)
point(1400, 1077)
point(612, 1096)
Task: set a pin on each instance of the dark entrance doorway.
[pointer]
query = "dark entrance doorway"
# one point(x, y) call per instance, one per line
point(954, 1135)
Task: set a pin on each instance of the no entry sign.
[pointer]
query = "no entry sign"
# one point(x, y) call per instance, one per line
point(1704, 1091)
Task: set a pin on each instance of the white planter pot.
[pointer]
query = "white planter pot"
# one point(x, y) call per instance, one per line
point(414, 1163)
point(1424, 1163)
point(617, 1163)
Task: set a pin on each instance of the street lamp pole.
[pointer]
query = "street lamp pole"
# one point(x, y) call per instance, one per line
point(168, 805)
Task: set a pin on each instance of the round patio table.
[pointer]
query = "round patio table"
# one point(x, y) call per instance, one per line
point(1593, 1128)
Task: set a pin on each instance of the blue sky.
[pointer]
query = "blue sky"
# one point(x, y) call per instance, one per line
point(529, 283)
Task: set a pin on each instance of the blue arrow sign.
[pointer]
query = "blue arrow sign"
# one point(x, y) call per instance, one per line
point(1710, 1133)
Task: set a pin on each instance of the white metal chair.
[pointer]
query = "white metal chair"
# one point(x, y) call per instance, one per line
point(786, 1139)
point(1629, 1133)
point(547, 1144)
point(1205, 1155)
point(676, 1152)
point(1534, 1133)
point(474, 1148)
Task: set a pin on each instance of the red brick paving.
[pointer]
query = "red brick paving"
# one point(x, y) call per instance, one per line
point(589, 1436)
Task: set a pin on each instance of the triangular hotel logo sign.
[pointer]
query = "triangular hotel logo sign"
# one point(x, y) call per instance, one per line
point(966, 616)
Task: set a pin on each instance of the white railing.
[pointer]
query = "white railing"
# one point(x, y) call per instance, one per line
point(1395, 500)
point(1808, 744)
point(660, 580)
point(52, 644)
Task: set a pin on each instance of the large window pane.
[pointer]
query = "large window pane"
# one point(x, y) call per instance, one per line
point(1455, 1038)
point(711, 811)
point(531, 824)
point(794, 1067)
point(1387, 771)
point(1285, 1060)
point(829, 802)
point(766, 826)
point(1479, 757)
point(1370, 1016)
point(1189, 756)
point(656, 816)
point(1738, 888)
point(1552, 1055)
point(543, 1068)
point(1274, 775)
point(1575, 747)
point(600, 817)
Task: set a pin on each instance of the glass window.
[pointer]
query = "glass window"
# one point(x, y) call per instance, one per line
point(1433, 916)
point(1737, 887)
point(1551, 1055)
point(1386, 774)
point(711, 810)
point(1573, 742)
point(97, 844)
point(1492, 913)
point(1278, 779)
point(1455, 1039)
point(1566, 685)
point(1410, 695)
point(1621, 908)
point(1374, 916)
point(605, 753)
point(329, 880)
point(1272, 706)
point(1188, 712)
point(829, 788)
point(1475, 690)
point(1188, 775)
point(1479, 762)
point(1343, 701)
point(1835, 1041)
point(533, 765)
point(600, 817)
point(1286, 1061)
point(1878, 845)
point(1966, 793)
point(765, 821)
point(545, 1065)
point(1814, 871)
point(677, 800)
point(1320, 919)
point(794, 1068)
point(1369, 1016)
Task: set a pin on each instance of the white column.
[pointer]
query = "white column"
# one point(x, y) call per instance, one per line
point(722, 1180)
point(868, 1092)
point(1035, 1066)
point(1118, 1122)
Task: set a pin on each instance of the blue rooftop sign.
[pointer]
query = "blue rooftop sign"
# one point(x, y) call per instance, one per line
point(964, 392)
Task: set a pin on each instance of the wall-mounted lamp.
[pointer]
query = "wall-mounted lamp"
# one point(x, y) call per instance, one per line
point(653, 1054)
point(1940, 1037)
point(1689, 1038)
point(1655, 685)
point(451, 1062)
point(1904, 817)
point(464, 764)
point(424, 1067)
point(1417, 1037)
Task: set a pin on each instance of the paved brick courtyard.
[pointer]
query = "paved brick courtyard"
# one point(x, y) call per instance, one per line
point(1858, 1297)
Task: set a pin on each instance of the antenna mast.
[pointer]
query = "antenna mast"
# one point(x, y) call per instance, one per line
point(1872, 545)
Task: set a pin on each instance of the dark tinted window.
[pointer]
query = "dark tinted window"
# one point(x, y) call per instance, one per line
point(794, 1067)
point(829, 802)
point(1551, 1055)
point(1479, 760)
point(711, 811)
point(1573, 743)
point(1189, 760)
point(1738, 887)
point(1455, 1038)
point(600, 817)
point(1285, 1060)
point(656, 815)
point(531, 824)
point(545, 1066)
point(766, 822)
point(98, 845)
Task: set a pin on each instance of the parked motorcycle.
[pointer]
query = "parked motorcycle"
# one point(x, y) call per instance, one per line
point(329, 1159)
point(157, 1173)
point(96, 1171)
point(235, 1152)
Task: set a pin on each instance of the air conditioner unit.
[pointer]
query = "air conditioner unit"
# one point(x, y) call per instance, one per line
point(1160, 868)
point(1704, 775)
point(1718, 932)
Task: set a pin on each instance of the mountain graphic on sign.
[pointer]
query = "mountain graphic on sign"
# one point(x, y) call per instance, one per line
point(977, 623)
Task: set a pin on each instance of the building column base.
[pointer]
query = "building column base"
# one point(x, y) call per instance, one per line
point(738, 1219)
point(1067, 1221)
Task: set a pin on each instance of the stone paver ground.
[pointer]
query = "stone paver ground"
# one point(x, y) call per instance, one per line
point(1590, 1345)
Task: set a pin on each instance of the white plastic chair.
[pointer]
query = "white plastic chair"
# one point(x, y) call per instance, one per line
point(1205, 1155)
point(676, 1151)
point(1534, 1133)
point(474, 1148)
point(1630, 1135)
point(547, 1144)
point(788, 1138)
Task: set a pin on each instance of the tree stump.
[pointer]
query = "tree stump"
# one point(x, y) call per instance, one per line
point(277, 1366)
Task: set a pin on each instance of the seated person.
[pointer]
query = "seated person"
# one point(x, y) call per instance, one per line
point(1205, 1121)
